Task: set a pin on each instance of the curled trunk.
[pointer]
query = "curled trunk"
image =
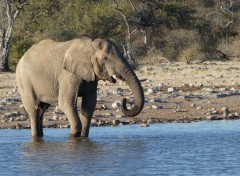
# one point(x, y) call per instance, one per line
point(132, 81)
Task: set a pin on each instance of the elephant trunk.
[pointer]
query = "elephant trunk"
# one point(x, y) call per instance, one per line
point(132, 81)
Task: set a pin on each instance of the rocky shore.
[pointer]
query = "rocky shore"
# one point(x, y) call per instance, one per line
point(174, 92)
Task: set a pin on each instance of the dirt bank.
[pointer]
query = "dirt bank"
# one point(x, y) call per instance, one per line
point(174, 92)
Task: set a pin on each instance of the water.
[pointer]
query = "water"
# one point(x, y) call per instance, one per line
point(202, 148)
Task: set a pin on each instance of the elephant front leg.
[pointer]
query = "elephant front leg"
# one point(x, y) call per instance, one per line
point(68, 90)
point(87, 109)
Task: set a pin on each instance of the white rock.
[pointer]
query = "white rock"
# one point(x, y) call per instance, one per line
point(172, 89)
point(108, 114)
point(161, 85)
point(105, 107)
point(55, 117)
point(152, 90)
point(119, 91)
point(199, 84)
point(154, 107)
point(99, 100)
point(144, 125)
point(116, 104)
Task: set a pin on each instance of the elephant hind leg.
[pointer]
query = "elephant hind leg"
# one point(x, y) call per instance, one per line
point(42, 107)
point(35, 111)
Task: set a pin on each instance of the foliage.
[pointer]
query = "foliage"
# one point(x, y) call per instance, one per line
point(173, 28)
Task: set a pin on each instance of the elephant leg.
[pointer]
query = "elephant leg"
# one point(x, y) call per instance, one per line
point(68, 89)
point(87, 108)
point(42, 107)
point(31, 106)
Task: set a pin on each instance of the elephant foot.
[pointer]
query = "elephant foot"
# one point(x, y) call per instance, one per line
point(37, 139)
point(74, 135)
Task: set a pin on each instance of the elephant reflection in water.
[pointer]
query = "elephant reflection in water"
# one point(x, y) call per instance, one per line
point(63, 71)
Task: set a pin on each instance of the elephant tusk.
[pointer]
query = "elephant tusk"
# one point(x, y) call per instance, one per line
point(115, 77)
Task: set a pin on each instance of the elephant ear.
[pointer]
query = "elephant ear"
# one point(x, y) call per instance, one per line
point(78, 61)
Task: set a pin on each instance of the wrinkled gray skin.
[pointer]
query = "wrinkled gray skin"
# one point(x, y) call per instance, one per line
point(62, 71)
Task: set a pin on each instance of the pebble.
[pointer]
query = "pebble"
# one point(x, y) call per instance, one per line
point(172, 89)
point(64, 126)
point(144, 125)
point(105, 107)
point(119, 91)
point(116, 104)
point(152, 90)
point(211, 117)
point(55, 117)
point(156, 107)
point(154, 100)
point(193, 105)
point(108, 114)
point(19, 126)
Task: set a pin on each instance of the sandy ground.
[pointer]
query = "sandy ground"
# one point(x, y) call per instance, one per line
point(174, 92)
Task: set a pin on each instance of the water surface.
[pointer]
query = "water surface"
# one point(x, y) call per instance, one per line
point(202, 148)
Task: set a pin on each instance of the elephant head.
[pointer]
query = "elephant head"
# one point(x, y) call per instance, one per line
point(101, 60)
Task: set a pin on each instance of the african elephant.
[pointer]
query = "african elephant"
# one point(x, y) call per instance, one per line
point(60, 72)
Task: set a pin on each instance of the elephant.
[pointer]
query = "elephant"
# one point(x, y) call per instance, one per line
point(60, 72)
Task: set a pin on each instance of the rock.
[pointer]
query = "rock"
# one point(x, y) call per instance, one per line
point(10, 114)
point(105, 107)
point(100, 123)
point(21, 118)
point(149, 121)
point(199, 107)
point(185, 85)
point(10, 119)
point(172, 89)
point(93, 122)
point(225, 109)
point(152, 90)
point(199, 84)
point(64, 126)
point(119, 116)
point(193, 105)
point(144, 125)
point(211, 117)
point(55, 117)
point(119, 91)
point(115, 122)
point(1, 107)
point(57, 110)
point(11, 100)
point(156, 107)
point(213, 111)
point(100, 100)
point(63, 118)
point(154, 100)
point(116, 104)
point(108, 114)
point(223, 89)
point(18, 126)
point(208, 90)
point(149, 81)
point(236, 114)
point(160, 86)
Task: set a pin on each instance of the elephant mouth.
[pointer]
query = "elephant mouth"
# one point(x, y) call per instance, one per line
point(114, 78)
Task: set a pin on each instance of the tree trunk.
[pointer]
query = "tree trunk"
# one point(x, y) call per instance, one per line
point(6, 34)
point(4, 51)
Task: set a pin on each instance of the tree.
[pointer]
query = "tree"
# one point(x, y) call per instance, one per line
point(9, 11)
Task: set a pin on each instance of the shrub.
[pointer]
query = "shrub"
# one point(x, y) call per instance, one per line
point(191, 53)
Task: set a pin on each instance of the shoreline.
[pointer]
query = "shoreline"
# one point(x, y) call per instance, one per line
point(174, 93)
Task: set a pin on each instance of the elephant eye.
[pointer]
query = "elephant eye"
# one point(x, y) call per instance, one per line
point(105, 58)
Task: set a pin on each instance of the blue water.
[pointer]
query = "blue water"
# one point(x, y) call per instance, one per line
point(201, 148)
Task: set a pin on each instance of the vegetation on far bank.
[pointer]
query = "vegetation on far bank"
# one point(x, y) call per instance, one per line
point(175, 29)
